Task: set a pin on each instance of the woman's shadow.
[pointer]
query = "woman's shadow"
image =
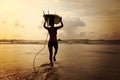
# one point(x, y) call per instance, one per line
point(46, 72)
point(51, 73)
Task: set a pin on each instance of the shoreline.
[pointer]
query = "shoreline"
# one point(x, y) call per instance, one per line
point(70, 41)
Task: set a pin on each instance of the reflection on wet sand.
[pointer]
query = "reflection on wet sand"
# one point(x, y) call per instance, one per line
point(45, 72)
point(74, 62)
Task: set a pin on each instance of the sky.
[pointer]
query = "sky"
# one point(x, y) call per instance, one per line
point(83, 19)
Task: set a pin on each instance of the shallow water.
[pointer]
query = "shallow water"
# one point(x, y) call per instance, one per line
point(74, 62)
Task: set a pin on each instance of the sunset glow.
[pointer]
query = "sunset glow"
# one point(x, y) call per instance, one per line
point(22, 19)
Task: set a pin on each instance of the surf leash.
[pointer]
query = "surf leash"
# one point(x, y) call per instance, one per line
point(34, 68)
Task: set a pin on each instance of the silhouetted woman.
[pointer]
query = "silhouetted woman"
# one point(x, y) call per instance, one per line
point(53, 43)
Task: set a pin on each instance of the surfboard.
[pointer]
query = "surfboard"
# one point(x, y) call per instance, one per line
point(52, 16)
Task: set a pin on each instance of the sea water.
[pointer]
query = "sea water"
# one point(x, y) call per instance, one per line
point(74, 61)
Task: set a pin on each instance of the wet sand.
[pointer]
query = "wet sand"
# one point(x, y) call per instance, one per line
point(74, 62)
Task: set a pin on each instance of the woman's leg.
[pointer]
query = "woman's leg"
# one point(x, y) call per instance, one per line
point(50, 54)
point(56, 49)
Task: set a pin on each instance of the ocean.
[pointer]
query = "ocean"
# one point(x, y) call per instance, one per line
point(74, 62)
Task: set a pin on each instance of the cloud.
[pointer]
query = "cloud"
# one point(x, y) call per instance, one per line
point(88, 35)
point(97, 35)
point(93, 7)
point(71, 28)
point(71, 24)
point(18, 24)
point(114, 35)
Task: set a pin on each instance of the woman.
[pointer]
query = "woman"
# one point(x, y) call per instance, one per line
point(53, 43)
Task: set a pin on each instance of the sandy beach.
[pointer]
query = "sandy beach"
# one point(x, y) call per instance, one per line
point(74, 62)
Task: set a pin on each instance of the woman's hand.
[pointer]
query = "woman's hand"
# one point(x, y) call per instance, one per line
point(60, 19)
point(46, 19)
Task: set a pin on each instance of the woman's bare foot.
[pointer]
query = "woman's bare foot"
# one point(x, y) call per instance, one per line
point(54, 58)
point(51, 64)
